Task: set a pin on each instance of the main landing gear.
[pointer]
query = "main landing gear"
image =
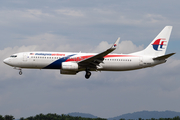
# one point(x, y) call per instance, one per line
point(88, 74)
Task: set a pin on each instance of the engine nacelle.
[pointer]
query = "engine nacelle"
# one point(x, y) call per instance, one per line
point(69, 66)
point(68, 72)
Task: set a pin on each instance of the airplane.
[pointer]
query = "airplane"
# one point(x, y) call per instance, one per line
point(70, 63)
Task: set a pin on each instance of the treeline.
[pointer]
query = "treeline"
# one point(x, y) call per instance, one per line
point(67, 117)
point(49, 117)
point(7, 117)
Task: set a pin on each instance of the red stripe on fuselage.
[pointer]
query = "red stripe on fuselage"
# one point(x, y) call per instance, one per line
point(79, 58)
point(88, 56)
point(119, 56)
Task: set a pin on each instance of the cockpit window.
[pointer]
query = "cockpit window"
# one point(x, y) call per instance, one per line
point(13, 56)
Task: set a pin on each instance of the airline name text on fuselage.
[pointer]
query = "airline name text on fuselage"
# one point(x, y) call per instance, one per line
point(49, 54)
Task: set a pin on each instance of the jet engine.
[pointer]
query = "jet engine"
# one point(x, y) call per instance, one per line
point(69, 66)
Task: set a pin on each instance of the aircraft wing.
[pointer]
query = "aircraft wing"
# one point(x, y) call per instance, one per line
point(95, 60)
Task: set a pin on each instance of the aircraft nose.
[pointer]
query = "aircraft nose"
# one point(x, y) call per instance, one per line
point(6, 61)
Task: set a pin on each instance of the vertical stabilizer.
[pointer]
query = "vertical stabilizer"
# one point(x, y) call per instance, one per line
point(159, 45)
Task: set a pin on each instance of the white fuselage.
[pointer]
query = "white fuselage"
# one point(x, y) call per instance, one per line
point(54, 60)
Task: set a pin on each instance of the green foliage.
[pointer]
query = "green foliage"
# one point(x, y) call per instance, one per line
point(9, 117)
point(1, 117)
point(67, 117)
point(22, 118)
point(58, 117)
point(122, 119)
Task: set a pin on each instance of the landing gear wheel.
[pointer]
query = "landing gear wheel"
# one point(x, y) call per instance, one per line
point(20, 72)
point(88, 74)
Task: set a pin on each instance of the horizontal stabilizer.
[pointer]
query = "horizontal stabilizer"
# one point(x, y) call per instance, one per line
point(164, 56)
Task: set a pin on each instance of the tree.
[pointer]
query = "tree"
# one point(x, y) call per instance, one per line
point(9, 117)
point(21, 118)
point(1, 117)
point(176, 118)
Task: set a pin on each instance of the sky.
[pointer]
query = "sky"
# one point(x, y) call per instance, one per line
point(87, 26)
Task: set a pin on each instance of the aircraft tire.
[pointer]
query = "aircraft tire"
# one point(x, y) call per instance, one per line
point(88, 74)
point(20, 72)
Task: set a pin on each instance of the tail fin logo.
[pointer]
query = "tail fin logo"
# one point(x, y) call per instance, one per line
point(159, 42)
point(115, 45)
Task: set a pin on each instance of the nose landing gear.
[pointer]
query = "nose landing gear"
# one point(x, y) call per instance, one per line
point(20, 72)
point(88, 74)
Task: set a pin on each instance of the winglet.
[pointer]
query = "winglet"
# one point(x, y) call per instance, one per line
point(115, 44)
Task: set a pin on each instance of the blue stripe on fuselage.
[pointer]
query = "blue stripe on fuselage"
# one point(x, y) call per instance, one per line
point(57, 64)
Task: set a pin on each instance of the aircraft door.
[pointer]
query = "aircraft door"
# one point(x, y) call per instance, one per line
point(24, 56)
point(141, 61)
